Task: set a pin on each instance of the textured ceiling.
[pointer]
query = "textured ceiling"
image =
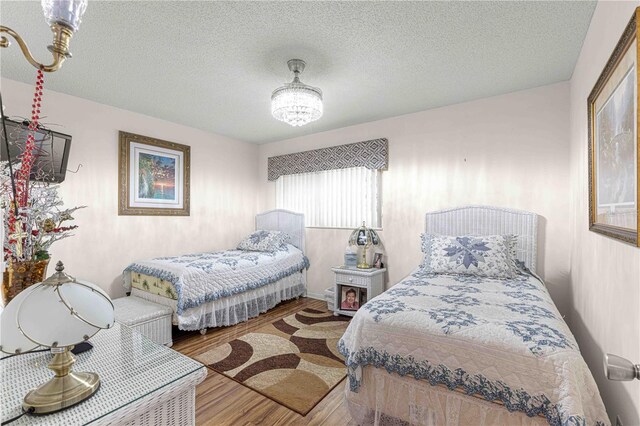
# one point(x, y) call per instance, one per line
point(213, 65)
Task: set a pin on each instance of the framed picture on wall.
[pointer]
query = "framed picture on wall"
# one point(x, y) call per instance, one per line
point(153, 177)
point(613, 142)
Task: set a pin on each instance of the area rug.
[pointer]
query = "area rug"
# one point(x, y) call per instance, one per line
point(294, 360)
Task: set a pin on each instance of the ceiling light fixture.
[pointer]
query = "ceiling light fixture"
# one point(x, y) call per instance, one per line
point(63, 16)
point(296, 103)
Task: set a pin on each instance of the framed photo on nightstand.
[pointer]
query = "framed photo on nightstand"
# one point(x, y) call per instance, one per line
point(377, 260)
point(363, 296)
point(350, 298)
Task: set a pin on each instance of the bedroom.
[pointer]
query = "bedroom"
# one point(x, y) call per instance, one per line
point(489, 110)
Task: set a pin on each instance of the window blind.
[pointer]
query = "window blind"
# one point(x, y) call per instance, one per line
point(341, 198)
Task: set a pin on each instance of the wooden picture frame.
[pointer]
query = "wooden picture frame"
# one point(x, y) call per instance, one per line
point(154, 176)
point(614, 188)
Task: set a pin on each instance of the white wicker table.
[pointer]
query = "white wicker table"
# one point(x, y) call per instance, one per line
point(142, 383)
point(151, 319)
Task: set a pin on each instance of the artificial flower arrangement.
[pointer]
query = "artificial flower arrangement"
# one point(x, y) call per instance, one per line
point(32, 215)
point(38, 224)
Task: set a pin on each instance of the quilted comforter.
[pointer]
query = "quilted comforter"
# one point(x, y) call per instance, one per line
point(204, 277)
point(502, 340)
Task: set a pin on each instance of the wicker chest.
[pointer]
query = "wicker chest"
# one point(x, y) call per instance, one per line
point(149, 319)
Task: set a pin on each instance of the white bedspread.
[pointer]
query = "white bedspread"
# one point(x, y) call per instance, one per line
point(503, 340)
point(203, 277)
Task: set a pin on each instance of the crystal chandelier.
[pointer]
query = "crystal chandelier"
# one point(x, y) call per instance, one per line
point(296, 103)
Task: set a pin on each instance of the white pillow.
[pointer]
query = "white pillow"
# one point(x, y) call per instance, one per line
point(262, 240)
point(491, 256)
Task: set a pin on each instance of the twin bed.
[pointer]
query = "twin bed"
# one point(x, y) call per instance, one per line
point(453, 349)
point(224, 288)
point(435, 349)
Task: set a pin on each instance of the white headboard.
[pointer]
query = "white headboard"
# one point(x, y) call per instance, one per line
point(286, 221)
point(486, 220)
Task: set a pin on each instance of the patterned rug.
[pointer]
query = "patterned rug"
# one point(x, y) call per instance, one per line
point(294, 360)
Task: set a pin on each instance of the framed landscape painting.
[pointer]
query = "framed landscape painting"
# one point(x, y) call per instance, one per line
point(613, 142)
point(153, 177)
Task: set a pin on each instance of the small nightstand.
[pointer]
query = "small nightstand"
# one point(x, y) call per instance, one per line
point(367, 283)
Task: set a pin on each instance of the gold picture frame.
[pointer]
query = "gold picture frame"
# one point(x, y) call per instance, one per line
point(154, 176)
point(614, 188)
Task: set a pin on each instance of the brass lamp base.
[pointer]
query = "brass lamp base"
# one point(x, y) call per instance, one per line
point(63, 390)
point(363, 261)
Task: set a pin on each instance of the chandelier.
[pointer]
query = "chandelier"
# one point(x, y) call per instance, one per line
point(296, 103)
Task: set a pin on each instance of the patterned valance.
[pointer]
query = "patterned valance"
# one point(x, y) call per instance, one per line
point(373, 154)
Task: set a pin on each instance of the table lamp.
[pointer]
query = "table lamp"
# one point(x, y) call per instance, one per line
point(364, 237)
point(58, 313)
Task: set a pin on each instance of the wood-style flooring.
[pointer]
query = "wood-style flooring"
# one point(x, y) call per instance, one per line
point(221, 401)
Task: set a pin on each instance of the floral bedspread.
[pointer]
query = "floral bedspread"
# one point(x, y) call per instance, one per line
point(202, 277)
point(501, 339)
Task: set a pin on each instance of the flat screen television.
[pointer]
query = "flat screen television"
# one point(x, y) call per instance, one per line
point(52, 150)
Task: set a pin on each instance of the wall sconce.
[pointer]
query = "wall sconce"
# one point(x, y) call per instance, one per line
point(620, 369)
point(63, 16)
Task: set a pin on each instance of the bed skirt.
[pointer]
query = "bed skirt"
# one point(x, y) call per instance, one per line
point(386, 399)
point(233, 309)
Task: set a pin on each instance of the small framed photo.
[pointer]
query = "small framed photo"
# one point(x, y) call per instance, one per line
point(350, 298)
point(377, 260)
point(363, 296)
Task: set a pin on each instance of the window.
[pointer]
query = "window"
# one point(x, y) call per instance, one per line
point(341, 198)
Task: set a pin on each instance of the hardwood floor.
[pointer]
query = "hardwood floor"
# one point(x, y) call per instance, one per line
point(221, 401)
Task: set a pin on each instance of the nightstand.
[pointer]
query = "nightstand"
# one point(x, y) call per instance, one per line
point(365, 283)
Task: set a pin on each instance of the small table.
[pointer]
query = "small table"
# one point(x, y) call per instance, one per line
point(367, 283)
point(141, 382)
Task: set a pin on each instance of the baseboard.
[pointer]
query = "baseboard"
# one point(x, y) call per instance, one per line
point(315, 296)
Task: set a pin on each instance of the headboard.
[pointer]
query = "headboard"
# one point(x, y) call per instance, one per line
point(286, 221)
point(486, 220)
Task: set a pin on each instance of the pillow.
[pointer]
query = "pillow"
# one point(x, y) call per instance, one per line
point(262, 240)
point(492, 256)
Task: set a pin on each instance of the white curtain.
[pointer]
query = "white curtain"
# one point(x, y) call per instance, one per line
point(341, 198)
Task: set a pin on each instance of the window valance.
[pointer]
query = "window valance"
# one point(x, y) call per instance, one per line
point(372, 154)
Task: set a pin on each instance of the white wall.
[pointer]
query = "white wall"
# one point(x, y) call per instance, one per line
point(223, 188)
point(525, 150)
point(510, 151)
point(605, 273)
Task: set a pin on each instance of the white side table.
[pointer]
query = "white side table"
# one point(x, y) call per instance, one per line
point(367, 283)
point(142, 383)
